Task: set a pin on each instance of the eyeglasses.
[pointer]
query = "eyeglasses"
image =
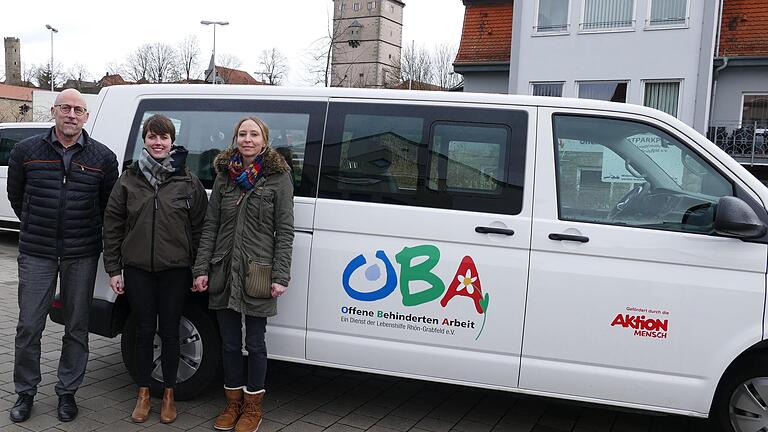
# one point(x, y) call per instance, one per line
point(79, 111)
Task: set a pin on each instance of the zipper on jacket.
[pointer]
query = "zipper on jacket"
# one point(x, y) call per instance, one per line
point(152, 248)
point(60, 224)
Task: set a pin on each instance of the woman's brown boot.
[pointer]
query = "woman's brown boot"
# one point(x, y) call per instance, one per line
point(251, 418)
point(228, 417)
point(141, 412)
point(168, 409)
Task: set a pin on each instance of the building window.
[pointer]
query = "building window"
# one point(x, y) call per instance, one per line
point(608, 14)
point(663, 96)
point(613, 91)
point(342, 6)
point(356, 7)
point(755, 109)
point(371, 5)
point(553, 16)
point(668, 13)
point(554, 89)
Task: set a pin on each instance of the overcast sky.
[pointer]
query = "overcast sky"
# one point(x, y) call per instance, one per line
point(97, 33)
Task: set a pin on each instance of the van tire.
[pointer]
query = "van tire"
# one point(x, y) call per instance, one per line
point(742, 379)
point(200, 348)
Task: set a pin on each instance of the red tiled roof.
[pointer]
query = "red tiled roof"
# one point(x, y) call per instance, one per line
point(487, 33)
point(235, 76)
point(16, 93)
point(110, 80)
point(744, 28)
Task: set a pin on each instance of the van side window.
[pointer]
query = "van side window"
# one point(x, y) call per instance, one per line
point(206, 127)
point(441, 157)
point(468, 158)
point(629, 173)
point(379, 153)
point(9, 138)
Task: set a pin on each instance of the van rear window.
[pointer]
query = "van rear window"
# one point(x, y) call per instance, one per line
point(206, 127)
point(9, 138)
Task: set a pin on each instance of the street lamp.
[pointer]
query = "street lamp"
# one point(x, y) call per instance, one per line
point(50, 68)
point(214, 23)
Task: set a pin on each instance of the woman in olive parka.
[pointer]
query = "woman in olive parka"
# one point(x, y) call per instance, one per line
point(244, 261)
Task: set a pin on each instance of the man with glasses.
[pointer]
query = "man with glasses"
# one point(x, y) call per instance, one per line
point(58, 185)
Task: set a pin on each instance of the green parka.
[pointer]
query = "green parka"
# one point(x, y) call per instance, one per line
point(153, 230)
point(242, 226)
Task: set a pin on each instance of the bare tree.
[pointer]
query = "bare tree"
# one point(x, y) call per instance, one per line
point(442, 60)
point(319, 61)
point(28, 74)
point(416, 64)
point(228, 61)
point(138, 63)
point(115, 68)
point(189, 57)
point(274, 65)
point(78, 72)
point(162, 63)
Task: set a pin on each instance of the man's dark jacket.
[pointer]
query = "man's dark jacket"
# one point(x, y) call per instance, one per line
point(61, 209)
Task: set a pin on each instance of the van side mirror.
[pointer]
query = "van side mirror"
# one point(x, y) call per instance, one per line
point(735, 218)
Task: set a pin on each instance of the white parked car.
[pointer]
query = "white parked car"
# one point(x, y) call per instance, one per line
point(10, 134)
point(576, 249)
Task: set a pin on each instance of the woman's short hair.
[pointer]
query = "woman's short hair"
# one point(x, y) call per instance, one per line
point(259, 122)
point(160, 125)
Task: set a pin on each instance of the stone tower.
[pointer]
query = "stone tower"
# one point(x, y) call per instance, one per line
point(12, 61)
point(368, 35)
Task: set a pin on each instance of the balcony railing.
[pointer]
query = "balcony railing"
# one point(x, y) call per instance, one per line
point(745, 142)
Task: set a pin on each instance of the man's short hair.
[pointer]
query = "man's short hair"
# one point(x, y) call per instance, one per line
point(160, 125)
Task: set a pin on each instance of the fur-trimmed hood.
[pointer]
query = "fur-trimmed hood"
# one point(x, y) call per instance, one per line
point(274, 162)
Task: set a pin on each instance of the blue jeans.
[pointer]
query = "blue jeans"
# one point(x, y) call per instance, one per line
point(37, 285)
point(230, 328)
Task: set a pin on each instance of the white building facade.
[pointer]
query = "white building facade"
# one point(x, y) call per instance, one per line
point(656, 53)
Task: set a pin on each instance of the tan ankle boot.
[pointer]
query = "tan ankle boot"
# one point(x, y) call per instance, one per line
point(168, 409)
point(141, 411)
point(251, 418)
point(228, 417)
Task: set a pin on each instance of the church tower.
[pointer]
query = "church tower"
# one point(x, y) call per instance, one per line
point(12, 61)
point(368, 36)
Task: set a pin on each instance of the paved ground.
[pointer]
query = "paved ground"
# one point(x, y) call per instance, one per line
point(300, 398)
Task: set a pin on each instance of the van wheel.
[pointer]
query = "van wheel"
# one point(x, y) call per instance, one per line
point(200, 354)
point(741, 400)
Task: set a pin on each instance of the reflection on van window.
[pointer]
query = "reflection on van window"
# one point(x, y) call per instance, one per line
point(627, 173)
point(378, 153)
point(424, 156)
point(206, 133)
point(468, 158)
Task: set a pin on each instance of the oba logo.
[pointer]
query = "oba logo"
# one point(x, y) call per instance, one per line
point(465, 283)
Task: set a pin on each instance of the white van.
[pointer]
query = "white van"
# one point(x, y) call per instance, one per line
point(577, 249)
point(10, 134)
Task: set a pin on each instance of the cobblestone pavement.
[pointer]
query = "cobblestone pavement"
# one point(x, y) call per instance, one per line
point(300, 398)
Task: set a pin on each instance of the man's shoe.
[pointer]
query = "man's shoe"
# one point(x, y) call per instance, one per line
point(22, 409)
point(67, 410)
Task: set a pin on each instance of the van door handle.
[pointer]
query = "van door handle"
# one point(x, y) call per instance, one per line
point(568, 237)
point(494, 230)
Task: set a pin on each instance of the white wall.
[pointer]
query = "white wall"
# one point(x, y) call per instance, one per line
point(732, 83)
point(42, 101)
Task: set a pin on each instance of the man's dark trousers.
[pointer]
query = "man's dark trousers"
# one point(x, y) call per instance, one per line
point(37, 285)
